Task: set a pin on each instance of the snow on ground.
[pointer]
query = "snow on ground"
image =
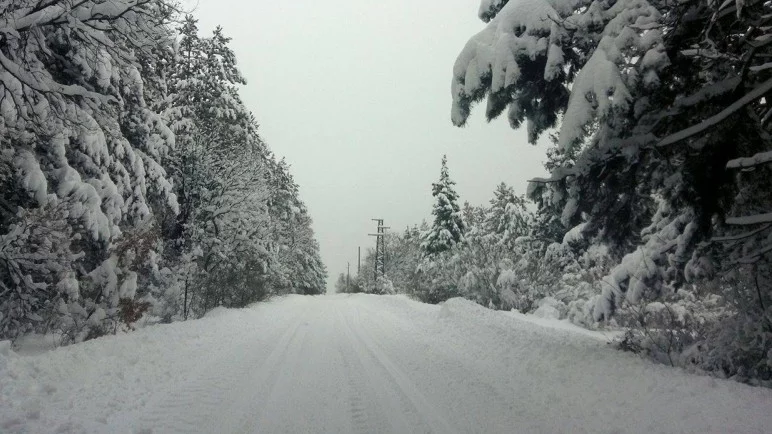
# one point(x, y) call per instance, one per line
point(564, 324)
point(362, 363)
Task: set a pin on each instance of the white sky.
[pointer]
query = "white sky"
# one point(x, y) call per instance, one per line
point(356, 95)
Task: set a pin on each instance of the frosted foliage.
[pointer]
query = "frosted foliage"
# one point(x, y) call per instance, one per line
point(598, 89)
point(640, 274)
point(128, 288)
point(507, 218)
point(35, 258)
point(105, 174)
point(384, 286)
point(667, 167)
point(30, 176)
point(574, 235)
point(105, 276)
point(528, 34)
point(81, 151)
point(489, 9)
point(507, 278)
point(490, 60)
point(601, 85)
point(97, 103)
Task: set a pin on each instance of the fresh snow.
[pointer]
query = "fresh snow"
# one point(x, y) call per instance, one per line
point(364, 363)
point(750, 219)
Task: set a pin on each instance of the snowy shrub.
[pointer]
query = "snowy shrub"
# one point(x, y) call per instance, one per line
point(514, 292)
point(669, 331)
point(738, 342)
point(130, 310)
point(550, 308)
point(384, 286)
point(36, 276)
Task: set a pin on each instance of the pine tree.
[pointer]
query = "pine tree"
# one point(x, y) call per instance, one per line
point(663, 149)
point(296, 265)
point(131, 174)
point(448, 227)
point(507, 218)
point(404, 255)
point(478, 258)
point(615, 154)
point(80, 161)
point(219, 165)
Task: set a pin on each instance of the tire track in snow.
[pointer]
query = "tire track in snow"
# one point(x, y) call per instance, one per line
point(251, 411)
point(362, 402)
point(392, 378)
point(220, 392)
point(282, 364)
point(442, 364)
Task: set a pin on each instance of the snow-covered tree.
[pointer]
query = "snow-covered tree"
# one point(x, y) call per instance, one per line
point(81, 153)
point(296, 265)
point(404, 256)
point(132, 175)
point(219, 168)
point(447, 229)
point(507, 218)
point(661, 106)
point(625, 77)
point(471, 268)
point(343, 284)
point(477, 261)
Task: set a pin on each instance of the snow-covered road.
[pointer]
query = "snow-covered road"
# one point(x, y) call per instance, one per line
point(364, 364)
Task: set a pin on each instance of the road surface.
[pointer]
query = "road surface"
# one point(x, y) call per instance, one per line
point(364, 364)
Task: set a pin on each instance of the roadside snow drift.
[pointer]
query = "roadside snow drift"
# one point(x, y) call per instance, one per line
point(359, 363)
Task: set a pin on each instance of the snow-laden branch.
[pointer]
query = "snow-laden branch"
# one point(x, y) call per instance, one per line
point(762, 67)
point(494, 60)
point(715, 119)
point(50, 86)
point(754, 256)
point(750, 220)
point(55, 12)
point(742, 236)
point(755, 160)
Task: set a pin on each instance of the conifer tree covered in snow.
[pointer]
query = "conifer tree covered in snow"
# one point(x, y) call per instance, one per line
point(661, 110)
point(439, 241)
point(448, 228)
point(218, 167)
point(403, 256)
point(80, 158)
point(490, 267)
point(507, 218)
point(242, 233)
point(133, 178)
point(296, 266)
point(490, 264)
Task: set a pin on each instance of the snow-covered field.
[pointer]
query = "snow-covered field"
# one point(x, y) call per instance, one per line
point(360, 363)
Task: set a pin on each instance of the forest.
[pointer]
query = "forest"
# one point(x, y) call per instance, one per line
point(656, 217)
point(134, 182)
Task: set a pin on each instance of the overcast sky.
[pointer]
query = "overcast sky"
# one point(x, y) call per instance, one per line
point(355, 95)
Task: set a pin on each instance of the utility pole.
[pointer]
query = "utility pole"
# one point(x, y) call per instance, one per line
point(348, 267)
point(359, 261)
point(380, 249)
